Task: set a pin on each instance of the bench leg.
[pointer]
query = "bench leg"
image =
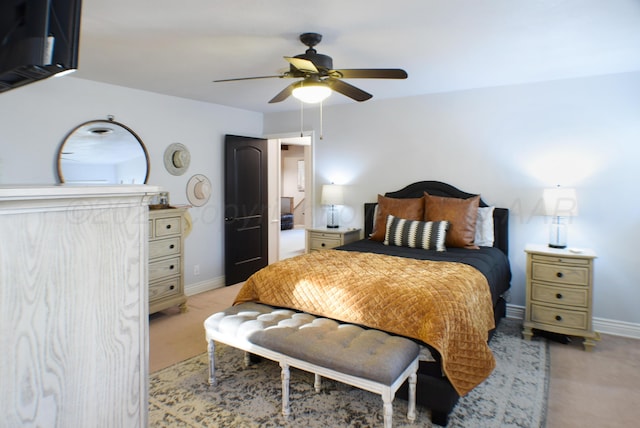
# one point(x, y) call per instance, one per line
point(212, 366)
point(285, 389)
point(317, 384)
point(411, 412)
point(388, 413)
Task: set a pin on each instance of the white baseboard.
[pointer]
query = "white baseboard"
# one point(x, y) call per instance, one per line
point(201, 287)
point(602, 325)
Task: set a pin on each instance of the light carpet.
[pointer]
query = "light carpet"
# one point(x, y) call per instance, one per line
point(515, 395)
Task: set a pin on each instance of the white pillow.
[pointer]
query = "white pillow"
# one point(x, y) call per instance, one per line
point(484, 227)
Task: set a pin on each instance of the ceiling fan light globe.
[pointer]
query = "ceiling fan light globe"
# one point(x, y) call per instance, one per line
point(312, 94)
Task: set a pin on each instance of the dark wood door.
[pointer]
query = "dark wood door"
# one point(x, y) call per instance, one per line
point(246, 210)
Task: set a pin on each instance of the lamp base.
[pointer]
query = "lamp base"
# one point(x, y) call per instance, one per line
point(332, 221)
point(558, 233)
point(557, 246)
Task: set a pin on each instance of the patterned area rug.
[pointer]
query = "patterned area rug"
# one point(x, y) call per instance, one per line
point(515, 395)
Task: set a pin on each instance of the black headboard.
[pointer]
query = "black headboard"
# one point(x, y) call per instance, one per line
point(437, 188)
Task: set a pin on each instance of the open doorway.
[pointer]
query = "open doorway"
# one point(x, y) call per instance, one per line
point(292, 200)
point(290, 190)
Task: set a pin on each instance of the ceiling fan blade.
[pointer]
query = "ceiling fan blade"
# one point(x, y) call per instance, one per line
point(348, 90)
point(250, 78)
point(302, 64)
point(284, 94)
point(373, 73)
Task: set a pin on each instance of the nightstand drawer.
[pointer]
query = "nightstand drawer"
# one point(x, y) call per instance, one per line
point(319, 242)
point(164, 247)
point(560, 259)
point(164, 288)
point(578, 297)
point(559, 317)
point(164, 268)
point(560, 274)
point(168, 226)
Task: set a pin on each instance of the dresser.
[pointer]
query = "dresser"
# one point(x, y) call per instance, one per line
point(560, 292)
point(324, 238)
point(73, 306)
point(166, 259)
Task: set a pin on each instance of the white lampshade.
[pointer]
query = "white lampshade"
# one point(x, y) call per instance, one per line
point(332, 194)
point(560, 202)
point(311, 92)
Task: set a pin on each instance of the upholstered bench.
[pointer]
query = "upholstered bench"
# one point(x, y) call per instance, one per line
point(365, 358)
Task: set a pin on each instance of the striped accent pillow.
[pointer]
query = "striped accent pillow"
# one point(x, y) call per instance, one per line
point(429, 235)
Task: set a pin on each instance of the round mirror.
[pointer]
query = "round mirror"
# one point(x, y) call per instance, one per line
point(103, 152)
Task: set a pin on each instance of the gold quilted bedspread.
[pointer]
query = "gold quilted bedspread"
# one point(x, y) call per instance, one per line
point(444, 304)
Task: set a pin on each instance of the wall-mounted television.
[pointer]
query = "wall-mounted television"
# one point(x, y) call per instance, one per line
point(38, 38)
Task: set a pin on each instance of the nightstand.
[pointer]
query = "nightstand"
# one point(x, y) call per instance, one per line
point(324, 238)
point(560, 293)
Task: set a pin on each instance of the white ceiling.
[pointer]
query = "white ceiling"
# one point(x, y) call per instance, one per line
point(179, 47)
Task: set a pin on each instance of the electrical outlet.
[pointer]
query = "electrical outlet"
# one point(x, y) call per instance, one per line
point(196, 270)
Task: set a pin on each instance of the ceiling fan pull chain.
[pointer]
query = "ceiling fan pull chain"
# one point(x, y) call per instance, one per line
point(321, 133)
point(301, 119)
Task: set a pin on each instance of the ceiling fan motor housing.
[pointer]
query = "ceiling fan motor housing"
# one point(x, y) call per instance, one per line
point(322, 62)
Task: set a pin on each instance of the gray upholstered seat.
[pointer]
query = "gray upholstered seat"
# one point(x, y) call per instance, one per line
point(347, 348)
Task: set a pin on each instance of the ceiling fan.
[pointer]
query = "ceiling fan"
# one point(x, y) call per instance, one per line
point(317, 72)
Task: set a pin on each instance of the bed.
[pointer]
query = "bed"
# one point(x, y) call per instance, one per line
point(380, 282)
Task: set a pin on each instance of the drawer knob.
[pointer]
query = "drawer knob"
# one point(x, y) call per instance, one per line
point(171, 267)
point(172, 246)
point(323, 244)
point(168, 226)
point(172, 287)
point(558, 318)
point(558, 296)
point(559, 274)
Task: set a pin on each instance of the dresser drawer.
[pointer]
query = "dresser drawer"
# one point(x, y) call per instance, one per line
point(320, 241)
point(560, 273)
point(559, 317)
point(166, 288)
point(167, 226)
point(164, 268)
point(164, 247)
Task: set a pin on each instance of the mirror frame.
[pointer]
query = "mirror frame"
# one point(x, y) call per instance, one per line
point(101, 121)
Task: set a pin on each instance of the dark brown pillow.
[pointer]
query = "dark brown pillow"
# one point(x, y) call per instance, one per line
point(460, 213)
point(410, 209)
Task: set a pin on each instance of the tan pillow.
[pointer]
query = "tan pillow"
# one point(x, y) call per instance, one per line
point(460, 213)
point(410, 209)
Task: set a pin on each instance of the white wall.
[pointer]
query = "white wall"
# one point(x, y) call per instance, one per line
point(508, 144)
point(34, 120)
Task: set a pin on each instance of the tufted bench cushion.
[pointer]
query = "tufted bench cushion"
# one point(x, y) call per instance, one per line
point(347, 348)
point(365, 358)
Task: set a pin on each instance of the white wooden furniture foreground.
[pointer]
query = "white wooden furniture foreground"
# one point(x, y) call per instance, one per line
point(368, 359)
point(73, 306)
